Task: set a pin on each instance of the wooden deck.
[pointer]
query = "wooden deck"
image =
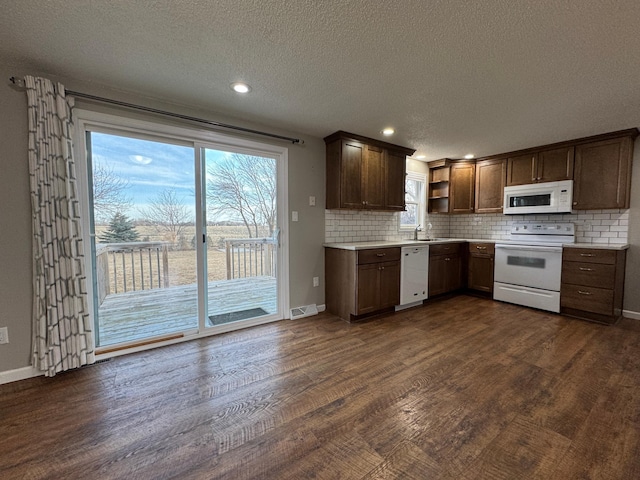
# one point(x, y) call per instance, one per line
point(136, 315)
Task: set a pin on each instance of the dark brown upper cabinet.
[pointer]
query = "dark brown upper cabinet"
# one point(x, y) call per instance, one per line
point(439, 174)
point(364, 173)
point(490, 179)
point(395, 180)
point(467, 186)
point(373, 177)
point(603, 173)
point(451, 186)
point(600, 167)
point(462, 186)
point(540, 166)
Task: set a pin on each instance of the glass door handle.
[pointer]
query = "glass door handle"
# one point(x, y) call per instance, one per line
point(276, 236)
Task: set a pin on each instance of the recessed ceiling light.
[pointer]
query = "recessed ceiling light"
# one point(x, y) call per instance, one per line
point(420, 157)
point(469, 156)
point(388, 131)
point(240, 87)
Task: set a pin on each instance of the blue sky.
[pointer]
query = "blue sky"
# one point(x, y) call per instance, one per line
point(148, 166)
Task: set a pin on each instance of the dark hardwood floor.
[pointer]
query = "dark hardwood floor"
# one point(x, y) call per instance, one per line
point(463, 388)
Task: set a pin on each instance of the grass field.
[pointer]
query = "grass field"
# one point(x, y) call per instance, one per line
point(182, 257)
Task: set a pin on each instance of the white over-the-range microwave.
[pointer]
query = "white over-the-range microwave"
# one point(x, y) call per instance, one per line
point(549, 197)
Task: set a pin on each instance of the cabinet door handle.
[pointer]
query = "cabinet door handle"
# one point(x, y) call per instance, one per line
point(585, 269)
point(587, 254)
point(380, 254)
point(481, 248)
point(447, 259)
point(575, 203)
point(581, 292)
point(381, 268)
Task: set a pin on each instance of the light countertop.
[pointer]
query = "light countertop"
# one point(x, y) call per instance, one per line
point(410, 243)
point(621, 246)
point(389, 243)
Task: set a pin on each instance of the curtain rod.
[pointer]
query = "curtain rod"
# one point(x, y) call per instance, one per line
point(20, 83)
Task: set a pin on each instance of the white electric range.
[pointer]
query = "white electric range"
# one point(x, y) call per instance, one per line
point(528, 267)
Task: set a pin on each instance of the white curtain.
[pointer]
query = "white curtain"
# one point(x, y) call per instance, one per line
point(62, 337)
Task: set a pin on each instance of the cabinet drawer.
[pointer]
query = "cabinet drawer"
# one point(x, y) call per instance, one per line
point(588, 299)
point(589, 255)
point(482, 248)
point(377, 255)
point(445, 249)
point(589, 274)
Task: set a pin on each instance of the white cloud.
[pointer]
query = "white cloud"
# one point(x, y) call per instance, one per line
point(140, 159)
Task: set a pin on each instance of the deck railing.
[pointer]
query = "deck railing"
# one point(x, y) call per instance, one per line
point(251, 257)
point(130, 266)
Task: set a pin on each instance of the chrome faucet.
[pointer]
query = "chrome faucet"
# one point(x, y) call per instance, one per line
point(415, 232)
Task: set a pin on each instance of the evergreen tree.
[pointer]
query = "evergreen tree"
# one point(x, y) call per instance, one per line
point(121, 229)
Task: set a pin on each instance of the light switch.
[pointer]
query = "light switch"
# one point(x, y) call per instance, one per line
point(312, 201)
point(294, 216)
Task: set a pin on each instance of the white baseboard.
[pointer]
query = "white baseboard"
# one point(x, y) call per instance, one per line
point(322, 308)
point(631, 314)
point(19, 374)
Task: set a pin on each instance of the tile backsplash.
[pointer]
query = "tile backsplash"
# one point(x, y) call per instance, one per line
point(356, 226)
point(592, 226)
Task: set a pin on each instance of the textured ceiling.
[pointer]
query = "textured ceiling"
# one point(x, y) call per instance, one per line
point(452, 77)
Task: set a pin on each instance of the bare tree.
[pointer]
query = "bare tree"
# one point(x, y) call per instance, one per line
point(109, 193)
point(243, 188)
point(168, 214)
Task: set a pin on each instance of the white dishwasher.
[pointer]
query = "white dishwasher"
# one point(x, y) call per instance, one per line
point(414, 276)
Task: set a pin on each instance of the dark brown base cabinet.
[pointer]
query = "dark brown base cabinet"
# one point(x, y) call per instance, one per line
point(361, 282)
point(480, 270)
point(446, 264)
point(592, 283)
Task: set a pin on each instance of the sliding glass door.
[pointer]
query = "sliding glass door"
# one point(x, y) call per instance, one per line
point(185, 236)
point(143, 231)
point(242, 236)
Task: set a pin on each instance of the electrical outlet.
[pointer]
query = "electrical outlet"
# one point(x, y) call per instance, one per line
point(316, 282)
point(312, 201)
point(4, 335)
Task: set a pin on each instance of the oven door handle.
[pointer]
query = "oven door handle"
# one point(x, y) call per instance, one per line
point(528, 291)
point(528, 248)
